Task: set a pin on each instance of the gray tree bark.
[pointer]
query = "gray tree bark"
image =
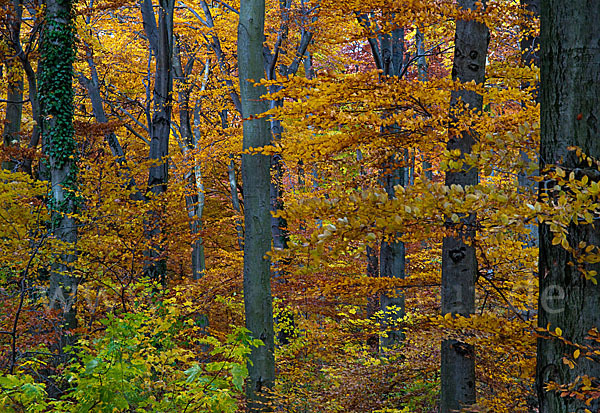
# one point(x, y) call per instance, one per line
point(530, 57)
point(14, 32)
point(392, 264)
point(56, 102)
point(459, 260)
point(423, 76)
point(161, 42)
point(392, 253)
point(256, 180)
point(233, 189)
point(570, 101)
point(388, 55)
point(92, 85)
point(194, 201)
point(30, 74)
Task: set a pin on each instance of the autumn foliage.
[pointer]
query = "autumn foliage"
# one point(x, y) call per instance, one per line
point(181, 346)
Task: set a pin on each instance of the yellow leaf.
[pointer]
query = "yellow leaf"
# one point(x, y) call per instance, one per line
point(576, 354)
point(558, 331)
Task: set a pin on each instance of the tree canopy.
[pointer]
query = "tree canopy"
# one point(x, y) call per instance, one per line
point(299, 206)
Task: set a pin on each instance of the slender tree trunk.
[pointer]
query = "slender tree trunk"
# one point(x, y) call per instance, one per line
point(196, 205)
point(256, 179)
point(388, 55)
point(35, 105)
point(392, 252)
point(161, 41)
point(56, 98)
point(570, 102)
point(92, 86)
point(423, 71)
point(233, 189)
point(459, 261)
point(530, 57)
point(235, 201)
point(14, 110)
point(14, 93)
point(392, 264)
point(195, 200)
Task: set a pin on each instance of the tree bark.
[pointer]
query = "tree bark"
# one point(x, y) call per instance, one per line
point(14, 110)
point(392, 253)
point(423, 76)
point(388, 55)
point(530, 57)
point(392, 264)
point(56, 100)
point(459, 260)
point(14, 93)
point(570, 98)
point(161, 40)
point(256, 179)
point(191, 139)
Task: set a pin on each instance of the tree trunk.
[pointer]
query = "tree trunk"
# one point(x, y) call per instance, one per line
point(392, 253)
point(161, 40)
point(530, 57)
point(392, 264)
point(92, 86)
point(233, 189)
point(388, 55)
point(56, 99)
point(459, 261)
point(423, 76)
point(235, 202)
point(14, 93)
point(35, 105)
point(256, 180)
point(14, 110)
point(570, 98)
point(195, 200)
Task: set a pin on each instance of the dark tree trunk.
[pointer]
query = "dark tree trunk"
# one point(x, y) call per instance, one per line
point(14, 109)
point(570, 101)
point(392, 253)
point(35, 105)
point(392, 264)
point(529, 57)
point(161, 41)
point(256, 180)
point(14, 93)
point(459, 261)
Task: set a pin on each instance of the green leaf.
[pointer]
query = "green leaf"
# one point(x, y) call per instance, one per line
point(238, 373)
point(193, 372)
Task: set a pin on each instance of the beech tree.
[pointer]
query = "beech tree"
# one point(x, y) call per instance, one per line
point(14, 92)
point(569, 295)
point(56, 99)
point(256, 180)
point(459, 260)
point(161, 44)
point(388, 53)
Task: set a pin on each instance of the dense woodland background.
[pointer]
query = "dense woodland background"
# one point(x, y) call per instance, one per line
point(333, 210)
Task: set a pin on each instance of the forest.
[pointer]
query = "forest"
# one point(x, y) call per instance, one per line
point(300, 206)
